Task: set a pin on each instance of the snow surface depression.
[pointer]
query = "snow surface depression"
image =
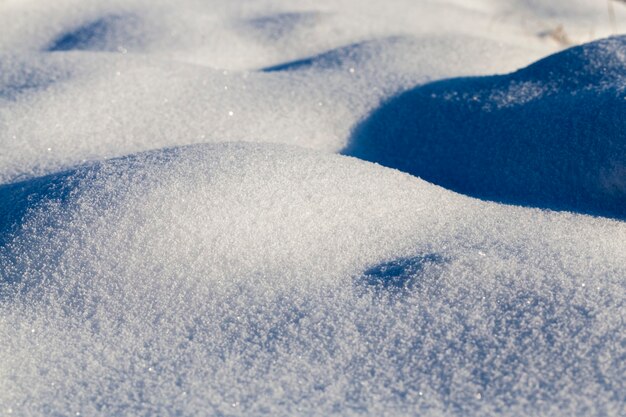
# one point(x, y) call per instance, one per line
point(312, 208)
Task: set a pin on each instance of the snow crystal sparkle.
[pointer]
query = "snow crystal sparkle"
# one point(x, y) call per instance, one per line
point(179, 236)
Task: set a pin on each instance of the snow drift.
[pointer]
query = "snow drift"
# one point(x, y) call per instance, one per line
point(550, 135)
point(168, 247)
point(238, 279)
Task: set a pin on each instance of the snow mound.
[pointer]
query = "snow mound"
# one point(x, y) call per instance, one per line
point(64, 108)
point(550, 135)
point(214, 268)
point(243, 279)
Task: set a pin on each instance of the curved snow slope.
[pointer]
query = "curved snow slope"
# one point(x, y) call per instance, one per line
point(402, 59)
point(60, 109)
point(88, 79)
point(242, 279)
point(550, 135)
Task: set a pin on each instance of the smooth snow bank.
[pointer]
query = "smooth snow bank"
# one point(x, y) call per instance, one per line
point(85, 79)
point(60, 109)
point(550, 135)
point(243, 279)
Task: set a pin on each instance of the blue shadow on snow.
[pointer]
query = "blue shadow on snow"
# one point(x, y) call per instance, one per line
point(552, 135)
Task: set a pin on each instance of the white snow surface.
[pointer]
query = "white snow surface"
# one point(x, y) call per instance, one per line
point(180, 236)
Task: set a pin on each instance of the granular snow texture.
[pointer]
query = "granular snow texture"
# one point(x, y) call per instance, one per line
point(179, 235)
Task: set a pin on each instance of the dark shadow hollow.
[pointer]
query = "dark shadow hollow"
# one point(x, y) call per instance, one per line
point(552, 135)
point(105, 34)
point(398, 275)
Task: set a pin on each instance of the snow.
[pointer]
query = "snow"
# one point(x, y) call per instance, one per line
point(156, 261)
point(549, 135)
point(122, 104)
point(181, 235)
